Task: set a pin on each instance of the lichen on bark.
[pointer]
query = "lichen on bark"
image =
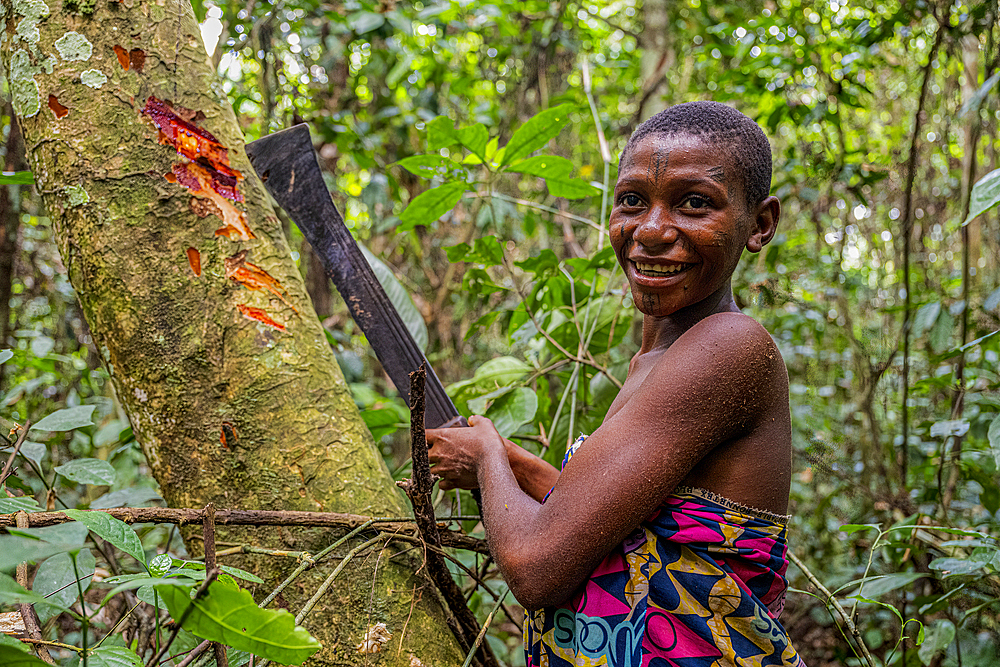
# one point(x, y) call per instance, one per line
point(185, 360)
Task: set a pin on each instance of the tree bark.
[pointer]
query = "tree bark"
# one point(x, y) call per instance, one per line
point(199, 312)
point(10, 222)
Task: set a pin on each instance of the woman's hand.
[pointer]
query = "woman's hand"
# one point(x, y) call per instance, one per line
point(454, 453)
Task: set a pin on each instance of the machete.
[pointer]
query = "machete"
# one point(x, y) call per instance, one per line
point(286, 163)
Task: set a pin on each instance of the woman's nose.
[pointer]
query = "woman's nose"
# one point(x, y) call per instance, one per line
point(656, 229)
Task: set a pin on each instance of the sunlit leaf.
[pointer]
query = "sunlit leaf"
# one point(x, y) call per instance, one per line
point(427, 166)
point(851, 528)
point(474, 138)
point(985, 195)
point(430, 205)
point(88, 471)
point(113, 530)
point(536, 132)
point(66, 419)
point(557, 172)
point(231, 616)
point(441, 133)
point(513, 410)
point(364, 22)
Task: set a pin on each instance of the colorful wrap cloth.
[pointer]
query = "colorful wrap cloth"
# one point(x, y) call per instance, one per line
point(699, 584)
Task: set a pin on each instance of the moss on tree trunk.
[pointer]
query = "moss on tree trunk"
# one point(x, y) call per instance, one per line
point(195, 303)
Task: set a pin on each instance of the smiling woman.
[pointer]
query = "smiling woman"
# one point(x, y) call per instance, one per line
point(662, 539)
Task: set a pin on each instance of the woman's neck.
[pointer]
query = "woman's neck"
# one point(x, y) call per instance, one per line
point(659, 333)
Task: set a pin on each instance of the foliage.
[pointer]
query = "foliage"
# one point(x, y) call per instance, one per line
point(429, 114)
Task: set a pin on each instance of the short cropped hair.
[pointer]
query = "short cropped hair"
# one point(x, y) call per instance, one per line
point(718, 124)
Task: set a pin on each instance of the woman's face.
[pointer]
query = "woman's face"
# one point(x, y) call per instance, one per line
point(679, 222)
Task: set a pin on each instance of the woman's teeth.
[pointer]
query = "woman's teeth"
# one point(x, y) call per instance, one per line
point(655, 270)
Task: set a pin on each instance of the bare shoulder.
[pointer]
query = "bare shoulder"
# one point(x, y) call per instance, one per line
point(734, 338)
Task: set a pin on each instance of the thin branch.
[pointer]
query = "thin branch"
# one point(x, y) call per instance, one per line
point(831, 600)
point(17, 448)
point(31, 625)
point(208, 530)
point(210, 576)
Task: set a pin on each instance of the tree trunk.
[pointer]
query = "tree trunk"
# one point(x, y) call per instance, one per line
point(10, 222)
point(196, 305)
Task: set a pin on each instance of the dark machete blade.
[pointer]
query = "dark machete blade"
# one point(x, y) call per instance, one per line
point(286, 163)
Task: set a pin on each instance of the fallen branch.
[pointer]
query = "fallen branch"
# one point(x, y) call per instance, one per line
point(449, 538)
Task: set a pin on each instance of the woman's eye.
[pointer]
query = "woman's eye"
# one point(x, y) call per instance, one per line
point(695, 201)
point(630, 200)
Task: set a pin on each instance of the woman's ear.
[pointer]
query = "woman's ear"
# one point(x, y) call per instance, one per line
point(765, 223)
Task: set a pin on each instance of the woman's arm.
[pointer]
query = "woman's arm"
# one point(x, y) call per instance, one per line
point(715, 384)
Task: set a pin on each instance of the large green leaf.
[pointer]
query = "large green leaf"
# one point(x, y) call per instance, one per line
point(512, 410)
point(66, 419)
point(475, 138)
point(400, 299)
point(441, 133)
point(939, 636)
point(10, 642)
point(430, 205)
point(536, 132)
point(985, 195)
point(113, 656)
point(230, 616)
point(24, 504)
point(35, 544)
point(428, 166)
point(12, 593)
point(55, 579)
point(113, 530)
point(88, 471)
point(557, 172)
point(14, 657)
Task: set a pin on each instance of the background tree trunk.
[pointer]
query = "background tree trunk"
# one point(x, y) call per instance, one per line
point(199, 313)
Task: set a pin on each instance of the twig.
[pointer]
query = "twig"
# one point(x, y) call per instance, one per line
point(182, 517)
point(482, 633)
point(17, 448)
point(195, 652)
point(831, 600)
point(418, 489)
point(333, 575)
point(210, 576)
point(31, 625)
point(208, 530)
point(531, 204)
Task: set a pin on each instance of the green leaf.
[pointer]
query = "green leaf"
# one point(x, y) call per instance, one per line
point(985, 195)
point(142, 581)
point(35, 544)
point(55, 579)
point(17, 178)
point(113, 530)
point(951, 567)
point(993, 434)
point(925, 316)
point(474, 138)
point(231, 616)
point(160, 565)
point(13, 657)
point(241, 574)
point(364, 22)
point(66, 419)
point(382, 421)
point(557, 174)
point(939, 636)
point(536, 132)
point(881, 585)
point(8, 641)
point(34, 451)
point(399, 297)
point(24, 504)
point(134, 496)
point(441, 133)
point(113, 656)
point(88, 471)
point(427, 166)
point(12, 593)
point(851, 528)
point(430, 205)
point(513, 410)
point(5, 355)
point(487, 251)
point(501, 371)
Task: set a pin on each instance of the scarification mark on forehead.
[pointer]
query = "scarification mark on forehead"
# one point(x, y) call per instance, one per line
point(717, 174)
point(658, 164)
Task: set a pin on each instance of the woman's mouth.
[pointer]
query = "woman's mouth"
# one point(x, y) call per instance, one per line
point(660, 270)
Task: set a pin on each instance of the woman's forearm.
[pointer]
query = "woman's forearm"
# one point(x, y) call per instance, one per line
point(534, 475)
